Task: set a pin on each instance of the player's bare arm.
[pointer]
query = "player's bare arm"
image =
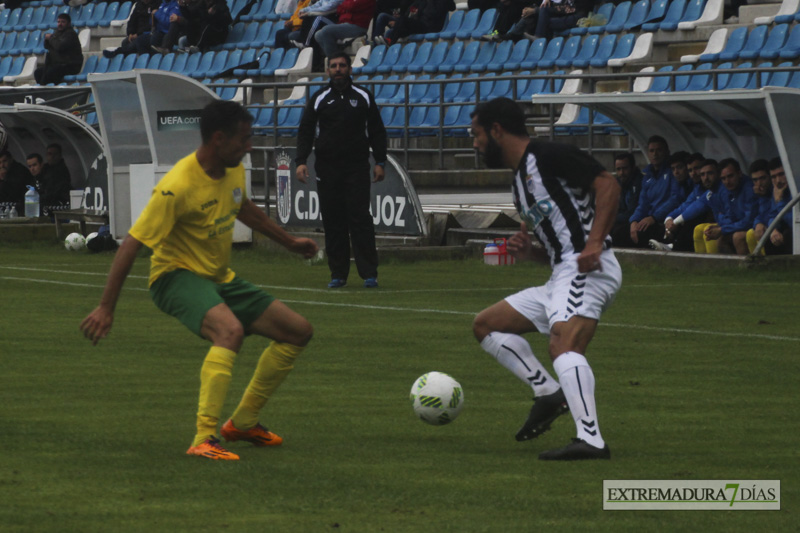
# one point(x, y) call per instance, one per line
point(606, 200)
point(521, 247)
point(252, 216)
point(98, 323)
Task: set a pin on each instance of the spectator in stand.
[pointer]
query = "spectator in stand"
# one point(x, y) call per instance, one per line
point(660, 194)
point(291, 28)
point(423, 16)
point(481, 5)
point(353, 19)
point(64, 54)
point(556, 16)
point(53, 186)
point(780, 239)
point(509, 13)
point(676, 236)
point(736, 213)
point(167, 14)
point(137, 32)
point(388, 13)
point(629, 178)
point(525, 27)
point(14, 179)
point(207, 24)
point(762, 187)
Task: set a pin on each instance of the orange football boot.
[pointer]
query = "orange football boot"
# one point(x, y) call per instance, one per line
point(258, 435)
point(211, 448)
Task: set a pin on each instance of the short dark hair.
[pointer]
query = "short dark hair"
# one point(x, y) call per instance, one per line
point(35, 156)
point(56, 146)
point(345, 55)
point(626, 155)
point(729, 161)
point(775, 163)
point(503, 111)
point(712, 162)
point(759, 165)
point(680, 157)
point(64, 16)
point(4, 153)
point(658, 139)
point(224, 116)
point(697, 156)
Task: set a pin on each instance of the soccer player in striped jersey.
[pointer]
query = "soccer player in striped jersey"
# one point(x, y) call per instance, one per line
point(569, 201)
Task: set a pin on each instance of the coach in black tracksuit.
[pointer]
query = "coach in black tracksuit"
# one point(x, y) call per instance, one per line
point(347, 123)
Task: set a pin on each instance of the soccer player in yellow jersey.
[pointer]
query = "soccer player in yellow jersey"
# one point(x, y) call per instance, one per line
point(188, 223)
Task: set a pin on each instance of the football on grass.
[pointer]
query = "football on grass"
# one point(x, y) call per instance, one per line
point(75, 242)
point(437, 398)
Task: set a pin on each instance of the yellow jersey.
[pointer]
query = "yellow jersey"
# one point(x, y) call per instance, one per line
point(188, 221)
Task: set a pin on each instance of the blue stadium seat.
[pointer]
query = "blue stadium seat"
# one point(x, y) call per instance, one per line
point(454, 54)
point(4, 14)
point(450, 28)
point(537, 85)
point(263, 58)
point(36, 18)
point(421, 58)
point(570, 51)
point(698, 81)
point(671, 19)
point(188, 66)
point(386, 114)
point(617, 20)
point(774, 44)
point(551, 53)
point(24, 19)
point(517, 55)
point(433, 91)
point(682, 81)
point(694, 10)
point(657, 12)
point(375, 59)
point(204, 65)
point(623, 48)
point(588, 50)
point(235, 36)
point(521, 85)
point(154, 63)
point(178, 63)
point(389, 59)
point(754, 43)
point(397, 125)
point(123, 12)
point(791, 48)
point(35, 43)
point(82, 14)
point(127, 63)
point(780, 78)
point(554, 85)
point(602, 52)
point(289, 120)
point(606, 10)
point(142, 61)
point(406, 56)
point(452, 87)
point(112, 9)
point(265, 36)
point(501, 54)
point(269, 63)
point(482, 59)
point(466, 89)
point(49, 18)
point(263, 120)
point(17, 64)
point(660, 84)
point(733, 46)
point(637, 16)
point(235, 6)
point(93, 21)
point(386, 91)
point(438, 54)
point(10, 23)
point(264, 11)
point(90, 65)
point(503, 87)
point(289, 60)
point(468, 25)
point(535, 53)
point(20, 44)
point(467, 58)
point(9, 41)
point(429, 126)
point(485, 25)
point(416, 91)
point(5, 65)
point(742, 80)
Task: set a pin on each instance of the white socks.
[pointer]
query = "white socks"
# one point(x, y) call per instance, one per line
point(577, 380)
point(514, 353)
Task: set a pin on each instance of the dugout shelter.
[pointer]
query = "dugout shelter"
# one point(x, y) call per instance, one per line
point(743, 124)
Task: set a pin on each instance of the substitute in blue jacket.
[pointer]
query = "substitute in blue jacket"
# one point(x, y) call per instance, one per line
point(762, 187)
point(660, 194)
point(342, 122)
point(738, 210)
point(780, 239)
point(691, 189)
point(629, 178)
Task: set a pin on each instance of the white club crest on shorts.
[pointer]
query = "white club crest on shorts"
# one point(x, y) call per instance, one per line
point(353, 102)
point(283, 180)
point(237, 195)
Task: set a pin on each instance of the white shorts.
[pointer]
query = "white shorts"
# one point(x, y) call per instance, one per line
point(569, 293)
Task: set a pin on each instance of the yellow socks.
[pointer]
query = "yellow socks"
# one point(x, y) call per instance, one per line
point(274, 365)
point(702, 245)
point(215, 376)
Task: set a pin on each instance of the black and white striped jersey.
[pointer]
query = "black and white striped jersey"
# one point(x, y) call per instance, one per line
point(553, 194)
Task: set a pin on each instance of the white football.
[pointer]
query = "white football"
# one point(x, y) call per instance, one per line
point(75, 242)
point(437, 398)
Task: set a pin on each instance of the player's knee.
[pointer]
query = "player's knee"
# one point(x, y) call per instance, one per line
point(480, 327)
point(304, 334)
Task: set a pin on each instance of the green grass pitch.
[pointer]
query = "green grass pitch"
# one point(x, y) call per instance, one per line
point(696, 379)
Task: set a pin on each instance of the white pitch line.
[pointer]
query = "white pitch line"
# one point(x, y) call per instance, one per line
point(451, 312)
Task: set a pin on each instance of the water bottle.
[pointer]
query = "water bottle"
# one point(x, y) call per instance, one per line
point(13, 213)
point(31, 202)
point(491, 255)
point(3, 211)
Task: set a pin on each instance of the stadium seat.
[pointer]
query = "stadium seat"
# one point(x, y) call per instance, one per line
point(740, 80)
point(774, 44)
point(605, 10)
point(435, 59)
point(466, 89)
point(652, 84)
point(375, 59)
point(573, 48)
point(94, 19)
point(421, 58)
point(786, 13)
point(82, 14)
point(551, 53)
point(201, 70)
point(503, 87)
point(733, 45)
point(454, 53)
point(485, 25)
point(234, 59)
point(501, 54)
point(450, 28)
point(710, 15)
point(5, 66)
point(698, 81)
point(127, 63)
point(386, 114)
point(390, 58)
point(8, 42)
point(289, 120)
point(694, 10)
point(235, 36)
point(36, 18)
point(588, 50)
point(656, 13)
point(265, 36)
point(416, 91)
point(485, 55)
point(384, 92)
point(468, 25)
point(178, 63)
point(535, 53)
point(154, 62)
point(603, 51)
point(433, 91)
point(467, 58)
point(188, 66)
point(20, 44)
point(517, 56)
point(17, 65)
point(249, 56)
point(24, 19)
point(754, 43)
point(90, 65)
point(451, 88)
point(396, 127)
point(780, 78)
point(111, 12)
point(791, 48)
point(636, 18)
point(406, 56)
point(617, 20)
point(142, 61)
point(715, 45)
point(457, 120)
point(430, 123)
point(263, 11)
point(289, 61)
point(10, 23)
point(671, 19)
point(268, 63)
point(682, 80)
